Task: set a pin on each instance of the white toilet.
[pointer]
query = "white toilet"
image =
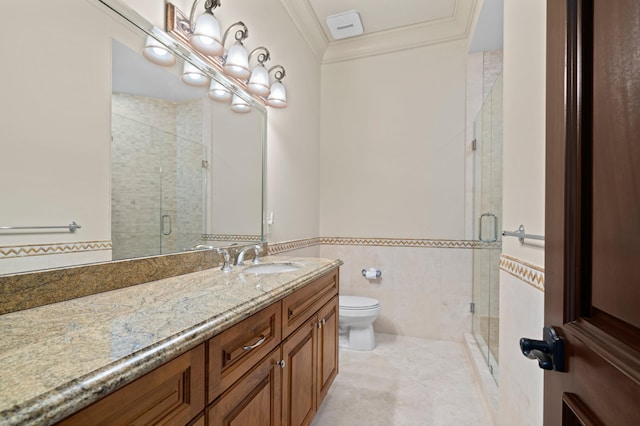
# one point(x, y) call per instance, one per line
point(357, 315)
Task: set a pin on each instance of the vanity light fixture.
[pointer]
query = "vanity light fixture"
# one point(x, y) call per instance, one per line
point(240, 105)
point(158, 53)
point(202, 36)
point(258, 83)
point(205, 36)
point(193, 76)
point(218, 92)
point(236, 61)
point(278, 95)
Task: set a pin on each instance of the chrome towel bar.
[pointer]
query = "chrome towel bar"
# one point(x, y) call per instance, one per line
point(522, 235)
point(71, 227)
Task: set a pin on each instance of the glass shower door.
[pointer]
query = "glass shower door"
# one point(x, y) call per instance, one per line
point(488, 213)
point(158, 179)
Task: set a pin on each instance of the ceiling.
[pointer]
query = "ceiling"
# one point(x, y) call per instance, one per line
point(382, 16)
point(388, 26)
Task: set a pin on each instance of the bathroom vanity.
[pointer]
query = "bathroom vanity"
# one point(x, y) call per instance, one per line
point(204, 348)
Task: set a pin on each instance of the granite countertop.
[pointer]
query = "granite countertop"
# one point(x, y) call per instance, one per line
point(58, 358)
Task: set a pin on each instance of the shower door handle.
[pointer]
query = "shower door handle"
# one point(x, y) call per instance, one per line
point(164, 224)
point(495, 228)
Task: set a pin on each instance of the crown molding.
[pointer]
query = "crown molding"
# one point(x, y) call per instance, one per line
point(456, 27)
point(304, 18)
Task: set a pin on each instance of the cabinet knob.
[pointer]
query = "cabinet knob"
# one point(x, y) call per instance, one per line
point(281, 363)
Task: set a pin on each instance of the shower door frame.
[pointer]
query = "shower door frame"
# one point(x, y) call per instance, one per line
point(487, 211)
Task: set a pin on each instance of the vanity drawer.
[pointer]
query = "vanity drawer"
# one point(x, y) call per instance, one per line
point(235, 351)
point(298, 307)
point(172, 394)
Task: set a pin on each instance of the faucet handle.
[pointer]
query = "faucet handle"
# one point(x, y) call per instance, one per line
point(256, 250)
point(226, 265)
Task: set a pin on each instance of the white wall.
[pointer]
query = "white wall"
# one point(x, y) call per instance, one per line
point(522, 305)
point(393, 166)
point(392, 154)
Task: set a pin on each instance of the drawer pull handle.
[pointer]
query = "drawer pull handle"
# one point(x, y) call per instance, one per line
point(281, 363)
point(256, 344)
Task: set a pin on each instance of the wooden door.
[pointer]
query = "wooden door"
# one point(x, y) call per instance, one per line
point(299, 375)
point(254, 400)
point(327, 347)
point(592, 263)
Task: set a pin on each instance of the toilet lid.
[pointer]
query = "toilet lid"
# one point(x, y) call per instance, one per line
point(358, 302)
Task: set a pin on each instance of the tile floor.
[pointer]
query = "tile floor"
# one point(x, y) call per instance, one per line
point(404, 381)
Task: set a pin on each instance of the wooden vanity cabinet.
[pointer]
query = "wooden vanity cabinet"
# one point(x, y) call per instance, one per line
point(311, 351)
point(172, 394)
point(286, 387)
point(273, 368)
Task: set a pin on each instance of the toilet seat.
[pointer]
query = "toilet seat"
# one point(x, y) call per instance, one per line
point(357, 303)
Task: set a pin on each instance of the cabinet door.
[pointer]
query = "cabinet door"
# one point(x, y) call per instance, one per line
point(327, 347)
point(254, 400)
point(299, 352)
point(172, 394)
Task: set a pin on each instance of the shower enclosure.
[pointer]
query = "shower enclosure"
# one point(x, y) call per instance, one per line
point(487, 211)
point(158, 176)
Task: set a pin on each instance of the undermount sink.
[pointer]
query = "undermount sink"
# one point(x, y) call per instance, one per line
point(271, 268)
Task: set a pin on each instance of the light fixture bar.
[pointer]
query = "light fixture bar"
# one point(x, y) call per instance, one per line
point(179, 27)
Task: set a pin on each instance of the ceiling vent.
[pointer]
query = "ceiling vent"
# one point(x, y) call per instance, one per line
point(346, 24)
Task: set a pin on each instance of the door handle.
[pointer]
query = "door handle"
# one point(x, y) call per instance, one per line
point(549, 352)
point(495, 228)
point(164, 223)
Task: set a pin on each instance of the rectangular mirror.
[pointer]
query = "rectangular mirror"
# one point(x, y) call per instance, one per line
point(94, 133)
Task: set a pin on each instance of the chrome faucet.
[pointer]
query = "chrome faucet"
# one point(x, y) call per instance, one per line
point(201, 246)
point(256, 249)
point(226, 265)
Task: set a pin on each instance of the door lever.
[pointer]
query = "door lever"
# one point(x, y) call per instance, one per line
point(549, 352)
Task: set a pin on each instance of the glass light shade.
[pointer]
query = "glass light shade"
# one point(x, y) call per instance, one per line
point(240, 105)
point(278, 96)
point(206, 35)
point(237, 63)
point(218, 92)
point(259, 81)
point(157, 53)
point(192, 76)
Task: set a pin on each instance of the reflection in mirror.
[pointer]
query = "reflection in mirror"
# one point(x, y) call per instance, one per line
point(157, 155)
point(196, 176)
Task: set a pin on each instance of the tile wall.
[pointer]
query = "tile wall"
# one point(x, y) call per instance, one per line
point(424, 291)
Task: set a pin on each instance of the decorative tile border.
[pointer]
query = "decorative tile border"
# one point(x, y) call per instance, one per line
point(275, 248)
point(54, 248)
point(229, 237)
point(285, 246)
point(530, 274)
point(406, 242)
